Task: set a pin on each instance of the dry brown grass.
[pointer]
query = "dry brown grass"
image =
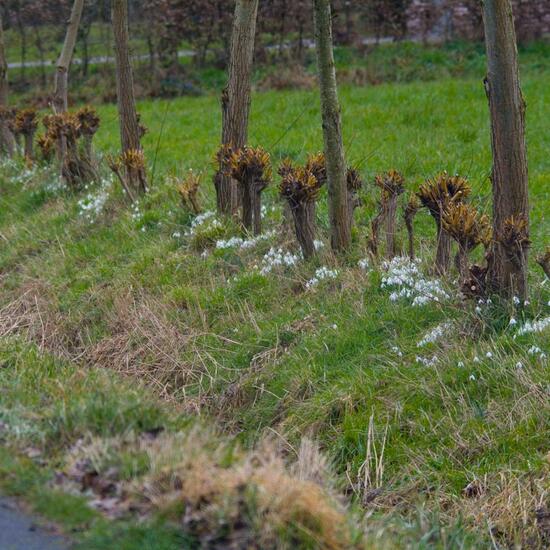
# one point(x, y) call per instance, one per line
point(142, 339)
point(145, 342)
point(256, 502)
point(225, 497)
point(33, 316)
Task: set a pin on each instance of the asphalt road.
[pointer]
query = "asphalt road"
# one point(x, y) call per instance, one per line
point(19, 531)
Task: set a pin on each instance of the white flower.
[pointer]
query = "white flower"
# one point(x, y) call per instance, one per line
point(472, 377)
point(397, 351)
point(478, 309)
point(460, 364)
point(516, 300)
point(92, 205)
point(476, 359)
point(406, 280)
point(513, 322)
point(534, 326)
point(318, 244)
point(363, 264)
point(334, 326)
point(427, 361)
point(278, 258)
point(489, 355)
point(321, 274)
point(435, 334)
point(519, 365)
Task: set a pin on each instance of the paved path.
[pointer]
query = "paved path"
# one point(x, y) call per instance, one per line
point(108, 60)
point(19, 531)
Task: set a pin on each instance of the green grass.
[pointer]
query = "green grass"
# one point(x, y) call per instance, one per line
point(259, 355)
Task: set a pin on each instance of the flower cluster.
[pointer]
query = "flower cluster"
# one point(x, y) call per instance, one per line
point(321, 274)
point(278, 258)
point(137, 214)
point(363, 264)
point(92, 205)
point(54, 186)
point(534, 326)
point(206, 220)
point(427, 361)
point(435, 334)
point(404, 275)
point(237, 242)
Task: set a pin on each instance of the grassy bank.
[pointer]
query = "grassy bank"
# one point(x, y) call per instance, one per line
point(431, 417)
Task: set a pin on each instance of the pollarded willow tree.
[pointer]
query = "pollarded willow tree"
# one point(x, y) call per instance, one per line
point(236, 98)
point(7, 141)
point(340, 218)
point(60, 99)
point(130, 168)
point(507, 266)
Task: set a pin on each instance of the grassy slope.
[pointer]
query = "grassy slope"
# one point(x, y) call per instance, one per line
point(257, 353)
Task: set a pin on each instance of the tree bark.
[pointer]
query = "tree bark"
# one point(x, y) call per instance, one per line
point(236, 96)
point(443, 251)
point(128, 119)
point(7, 141)
point(391, 226)
point(130, 132)
point(509, 173)
point(304, 225)
point(61, 91)
point(340, 221)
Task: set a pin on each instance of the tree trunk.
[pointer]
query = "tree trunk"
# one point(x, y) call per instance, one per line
point(304, 225)
point(509, 175)
point(340, 221)
point(391, 226)
point(443, 252)
point(7, 141)
point(236, 95)
point(129, 126)
point(128, 119)
point(60, 95)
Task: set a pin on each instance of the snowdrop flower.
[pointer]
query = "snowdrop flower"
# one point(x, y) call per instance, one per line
point(278, 258)
point(472, 377)
point(516, 300)
point(533, 350)
point(427, 361)
point(363, 264)
point(397, 351)
point(321, 274)
point(512, 322)
point(536, 326)
point(460, 364)
point(489, 355)
point(176, 235)
point(519, 365)
point(406, 281)
point(478, 309)
point(476, 359)
point(92, 205)
point(318, 244)
point(435, 334)
point(334, 326)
